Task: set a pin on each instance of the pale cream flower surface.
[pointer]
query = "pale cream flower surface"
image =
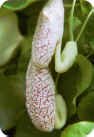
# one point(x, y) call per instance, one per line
point(91, 2)
point(2, 2)
point(91, 134)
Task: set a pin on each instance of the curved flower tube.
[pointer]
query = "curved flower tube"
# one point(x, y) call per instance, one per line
point(49, 30)
point(40, 88)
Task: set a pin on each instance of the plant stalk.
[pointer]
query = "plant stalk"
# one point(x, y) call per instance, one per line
point(84, 25)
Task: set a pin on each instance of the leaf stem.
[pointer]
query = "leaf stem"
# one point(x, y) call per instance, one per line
point(84, 24)
point(70, 5)
point(71, 21)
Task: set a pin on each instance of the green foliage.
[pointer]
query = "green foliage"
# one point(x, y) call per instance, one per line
point(74, 82)
point(17, 4)
point(67, 87)
point(8, 43)
point(86, 107)
point(86, 71)
point(76, 85)
point(24, 55)
point(81, 129)
point(77, 23)
point(11, 100)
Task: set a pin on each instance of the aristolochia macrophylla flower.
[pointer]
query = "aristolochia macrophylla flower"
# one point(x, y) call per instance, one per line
point(91, 2)
point(48, 32)
point(40, 98)
point(2, 2)
point(40, 88)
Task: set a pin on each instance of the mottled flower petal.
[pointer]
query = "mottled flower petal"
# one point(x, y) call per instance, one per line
point(40, 98)
point(49, 30)
point(40, 87)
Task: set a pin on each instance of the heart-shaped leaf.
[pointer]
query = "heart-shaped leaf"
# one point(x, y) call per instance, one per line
point(67, 87)
point(24, 55)
point(86, 75)
point(9, 35)
point(81, 129)
point(11, 100)
point(18, 4)
point(74, 82)
point(86, 107)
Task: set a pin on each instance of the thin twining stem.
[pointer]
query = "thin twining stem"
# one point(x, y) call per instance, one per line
point(71, 21)
point(84, 25)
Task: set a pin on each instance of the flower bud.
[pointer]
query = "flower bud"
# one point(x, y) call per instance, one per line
point(64, 61)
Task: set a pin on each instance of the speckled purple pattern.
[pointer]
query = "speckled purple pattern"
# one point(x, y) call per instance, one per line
point(48, 32)
point(40, 88)
point(40, 98)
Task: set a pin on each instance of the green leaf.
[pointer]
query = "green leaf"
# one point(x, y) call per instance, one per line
point(89, 30)
point(81, 129)
point(91, 87)
point(18, 4)
point(84, 6)
point(77, 23)
point(9, 35)
point(86, 71)
point(33, 14)
point(25, 128)
point(24, 55)
point(11, 100)
point(74, 82)
point(86, 107)
point(67, 87)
